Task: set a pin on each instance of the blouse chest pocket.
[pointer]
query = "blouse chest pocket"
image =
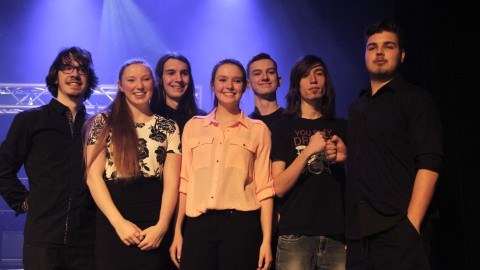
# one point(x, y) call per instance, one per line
point(243, 144)
point(241, 153)
point(202, 148)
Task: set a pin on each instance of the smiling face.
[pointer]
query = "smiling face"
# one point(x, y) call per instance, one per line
point(137, 84)
point(228, 85)
point(383, 55)
point(312, 84)
point(175, 78)
point(263, 77)
point(72, 85)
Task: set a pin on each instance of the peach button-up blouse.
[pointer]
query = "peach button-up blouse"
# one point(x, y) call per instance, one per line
point(225, 168)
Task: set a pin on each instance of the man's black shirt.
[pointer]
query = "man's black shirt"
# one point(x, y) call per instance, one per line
point(268, 119)
point(177, 116)
point(391, 135)
point(60, 207)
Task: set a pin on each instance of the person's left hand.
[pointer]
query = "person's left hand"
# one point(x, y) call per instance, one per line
point(152, 236)
point(336, 150)
point(265, 257)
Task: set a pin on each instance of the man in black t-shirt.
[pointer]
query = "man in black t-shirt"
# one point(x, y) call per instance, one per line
point(308, 176)
point(263, 79)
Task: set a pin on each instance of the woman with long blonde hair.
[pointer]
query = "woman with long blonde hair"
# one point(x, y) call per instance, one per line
point(133, 165)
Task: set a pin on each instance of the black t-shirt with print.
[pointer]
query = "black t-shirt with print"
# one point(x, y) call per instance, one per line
point(314, 206)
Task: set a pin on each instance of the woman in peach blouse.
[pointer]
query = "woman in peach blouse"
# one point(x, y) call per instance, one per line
point(226, 194)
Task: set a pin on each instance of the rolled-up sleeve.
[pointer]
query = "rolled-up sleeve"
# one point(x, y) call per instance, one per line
point(262, 165)
point(426, 134)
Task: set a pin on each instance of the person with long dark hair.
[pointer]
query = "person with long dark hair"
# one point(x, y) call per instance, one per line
point(133, 165)
point(226, 193)
point(175, 98)
point(308, 176)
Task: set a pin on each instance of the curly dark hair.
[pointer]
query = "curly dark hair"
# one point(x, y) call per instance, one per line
point(66, 56)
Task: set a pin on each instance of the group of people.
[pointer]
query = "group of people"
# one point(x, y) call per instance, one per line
point(154, 182)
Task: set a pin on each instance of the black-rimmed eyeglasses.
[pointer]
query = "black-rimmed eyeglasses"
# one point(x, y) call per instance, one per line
point(67, 69)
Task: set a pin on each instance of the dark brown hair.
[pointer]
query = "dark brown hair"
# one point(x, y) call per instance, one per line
point(300, 68)
point(187, 105)
point(67, 56)
point(224, 62)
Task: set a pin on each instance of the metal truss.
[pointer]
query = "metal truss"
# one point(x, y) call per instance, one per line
point(15, 98)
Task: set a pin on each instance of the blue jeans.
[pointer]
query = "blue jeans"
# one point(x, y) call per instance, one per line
point(298, 252)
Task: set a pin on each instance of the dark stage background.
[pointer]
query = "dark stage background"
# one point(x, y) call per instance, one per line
point(441, 56)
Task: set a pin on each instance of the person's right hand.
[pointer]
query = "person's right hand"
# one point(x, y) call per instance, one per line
point(317, 144)
point(128, 232)
point(176, 249)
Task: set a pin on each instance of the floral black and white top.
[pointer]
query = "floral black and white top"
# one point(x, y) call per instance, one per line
point(156, 138)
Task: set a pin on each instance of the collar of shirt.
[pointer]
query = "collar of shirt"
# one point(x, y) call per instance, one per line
point(61, 109)
point(168, 112)
point(209, 119)
point(394, 85)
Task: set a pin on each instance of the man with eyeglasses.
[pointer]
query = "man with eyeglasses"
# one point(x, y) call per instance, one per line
point(59, 228)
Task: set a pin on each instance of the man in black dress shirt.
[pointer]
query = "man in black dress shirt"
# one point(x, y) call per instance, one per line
point(59, 228)
point(394, 160)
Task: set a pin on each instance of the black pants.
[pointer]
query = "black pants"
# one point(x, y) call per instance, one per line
point(222, 240)
point(397, 248)
point(58, 258)
point(138, 201)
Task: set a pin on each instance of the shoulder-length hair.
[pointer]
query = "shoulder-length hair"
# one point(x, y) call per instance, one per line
point(302, 66)
point(124, 138)
point(187, 105)
point(67, 56)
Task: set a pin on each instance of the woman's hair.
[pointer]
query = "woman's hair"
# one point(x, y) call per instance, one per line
point(67, 56)
point(124, 138)
point(187, 105)
point(224, 62)
point(327, 103)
